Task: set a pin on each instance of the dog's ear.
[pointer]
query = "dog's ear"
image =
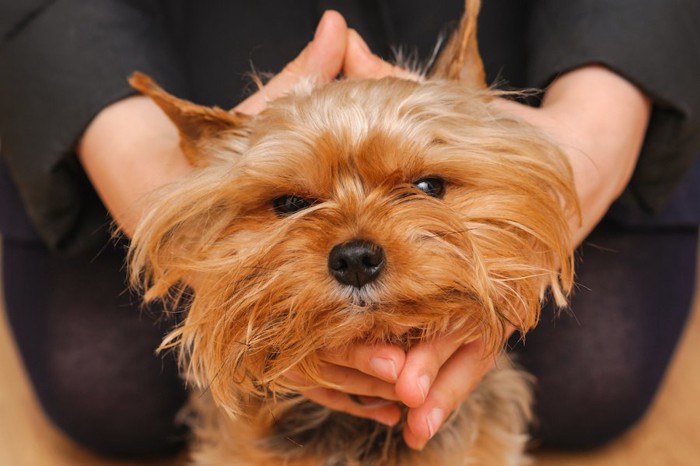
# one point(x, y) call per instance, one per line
point(200, 127)
point(460, 59)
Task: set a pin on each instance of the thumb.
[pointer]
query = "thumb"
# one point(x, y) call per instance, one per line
point(321, 59)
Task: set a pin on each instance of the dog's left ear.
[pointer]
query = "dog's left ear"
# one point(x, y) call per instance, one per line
point(460, 59)
point(200, 127)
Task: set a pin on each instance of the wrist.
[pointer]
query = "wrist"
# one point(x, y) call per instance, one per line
point(129, 150)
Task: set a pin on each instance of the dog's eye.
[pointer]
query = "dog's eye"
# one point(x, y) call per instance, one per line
point(285, 205)
point(432, 186)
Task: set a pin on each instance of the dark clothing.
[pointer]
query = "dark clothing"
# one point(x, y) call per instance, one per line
point(88, 346)
point(598, 366)
point(89, 352)
point(62, 61)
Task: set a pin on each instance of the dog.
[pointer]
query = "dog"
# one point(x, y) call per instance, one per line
point(388, 210)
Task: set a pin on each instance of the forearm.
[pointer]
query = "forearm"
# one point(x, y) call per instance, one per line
point(130, 149)
point(606, 118)
point(599, 120)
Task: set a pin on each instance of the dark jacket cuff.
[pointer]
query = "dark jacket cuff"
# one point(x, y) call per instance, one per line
point(653, 44)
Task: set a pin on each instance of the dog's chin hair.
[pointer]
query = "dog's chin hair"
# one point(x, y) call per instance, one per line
point(360, 299)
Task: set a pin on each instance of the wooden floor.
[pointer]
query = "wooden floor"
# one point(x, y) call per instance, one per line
point(668, 436)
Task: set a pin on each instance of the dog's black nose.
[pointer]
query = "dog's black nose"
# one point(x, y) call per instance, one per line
point(356, 262)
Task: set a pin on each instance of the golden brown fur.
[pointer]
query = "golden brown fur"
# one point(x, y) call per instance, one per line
point(473, 261)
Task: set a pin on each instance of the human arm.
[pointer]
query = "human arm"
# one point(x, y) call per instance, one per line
point(131, 148)
point(63, 87)
point(599, 119)
point(654, 44)
point(60, 63)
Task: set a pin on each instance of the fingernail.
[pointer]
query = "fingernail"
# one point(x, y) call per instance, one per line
point(385, 368)
point(424, 385)
point(421, 446)
point(434, 420)
point(388, 419)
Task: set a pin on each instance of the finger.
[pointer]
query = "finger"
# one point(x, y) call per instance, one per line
point(423, 362)
point(385, 413)
point(513, 108)
point(382, 361)
point(360, 62)
point(460, 374)
point(321, 59)
point(354, 382)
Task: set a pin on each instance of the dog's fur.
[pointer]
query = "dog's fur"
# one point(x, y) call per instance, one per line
point(474, 259)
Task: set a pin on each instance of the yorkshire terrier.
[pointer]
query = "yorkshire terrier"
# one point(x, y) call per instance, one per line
point(385, 210)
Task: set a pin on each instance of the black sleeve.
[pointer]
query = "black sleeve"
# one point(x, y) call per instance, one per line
point(652, 43)
point(61, 62)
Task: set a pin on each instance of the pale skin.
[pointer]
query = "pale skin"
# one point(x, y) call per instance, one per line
point(598, 118)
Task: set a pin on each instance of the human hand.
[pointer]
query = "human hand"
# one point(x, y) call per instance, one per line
point(131, 148)
point(437, 377)
point(321, 60)
point(361, 381)
point(599, 120)
point(432, 379)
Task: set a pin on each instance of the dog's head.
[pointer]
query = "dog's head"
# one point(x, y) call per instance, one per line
point(374, 210)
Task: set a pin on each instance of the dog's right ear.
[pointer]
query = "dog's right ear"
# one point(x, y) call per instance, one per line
point(460, 59)
point(200, 127)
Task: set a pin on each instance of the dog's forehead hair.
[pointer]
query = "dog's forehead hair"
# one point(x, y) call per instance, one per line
point(367, 130)
point(334, 162)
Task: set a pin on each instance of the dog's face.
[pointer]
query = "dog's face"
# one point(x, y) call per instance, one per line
point(370, 210)
point(359, 210)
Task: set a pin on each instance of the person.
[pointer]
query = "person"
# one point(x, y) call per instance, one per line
point(621, 99)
